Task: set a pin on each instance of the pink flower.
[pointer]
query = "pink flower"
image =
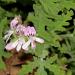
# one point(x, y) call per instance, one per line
point(20, 29)
point(17, 44)
point(24, 33)
point(13, 23)
point(32, 40)
point(35, 40)
point(29, 31)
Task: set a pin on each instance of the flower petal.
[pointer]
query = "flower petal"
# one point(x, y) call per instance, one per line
point(18, 48)
point(9, 47)
point(7, 36)
point(13, 23)
point(20, 42)
point(25, 46)
point(33, 44)
point(38, 39)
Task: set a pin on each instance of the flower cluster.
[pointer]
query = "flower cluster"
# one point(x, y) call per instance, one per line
point(24, 35)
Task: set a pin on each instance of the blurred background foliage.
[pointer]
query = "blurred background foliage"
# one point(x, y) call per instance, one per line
point(14, 7)
point(65, 52)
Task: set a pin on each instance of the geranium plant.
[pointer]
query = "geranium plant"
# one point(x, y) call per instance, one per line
point(47, 34)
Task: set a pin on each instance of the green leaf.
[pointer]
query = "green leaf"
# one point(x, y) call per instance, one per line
point(39, 50)
point(63, 48)
point(52, 59)
point(2, 64)
point(69, 72)
point(28, 68)
point(1, 45)
point(2, 52)
point(56, 69)
point(41, 71)
point(3, 25)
